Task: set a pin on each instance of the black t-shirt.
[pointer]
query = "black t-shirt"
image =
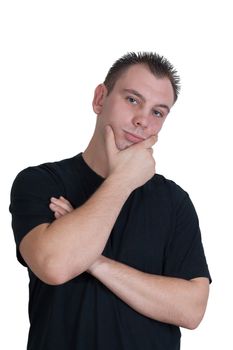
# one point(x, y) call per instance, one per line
point(157, 232)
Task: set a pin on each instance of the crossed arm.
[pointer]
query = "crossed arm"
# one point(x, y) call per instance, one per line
point(166, 299)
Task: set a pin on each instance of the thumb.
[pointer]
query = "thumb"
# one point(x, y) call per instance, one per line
point(148, 143)
point(110, 143)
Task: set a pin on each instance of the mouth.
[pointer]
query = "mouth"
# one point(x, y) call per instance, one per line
point(132, 137)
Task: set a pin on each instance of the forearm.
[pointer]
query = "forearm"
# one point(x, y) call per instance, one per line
point(73, 242)
point(69, 245)
point(170, 300)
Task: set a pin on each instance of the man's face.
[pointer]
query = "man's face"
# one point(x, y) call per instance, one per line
point(137, 106)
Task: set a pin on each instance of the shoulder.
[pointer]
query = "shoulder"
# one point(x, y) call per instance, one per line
point(167, 188)
point(170, 195)
point(178, 199)
point(43, 175)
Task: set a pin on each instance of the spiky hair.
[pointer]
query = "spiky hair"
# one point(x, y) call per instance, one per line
point(157, 64)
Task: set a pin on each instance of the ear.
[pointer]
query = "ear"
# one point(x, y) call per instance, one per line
point(99, 96)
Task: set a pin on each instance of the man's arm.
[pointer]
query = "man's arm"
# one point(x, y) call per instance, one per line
point(60, 251)
point(166, 299)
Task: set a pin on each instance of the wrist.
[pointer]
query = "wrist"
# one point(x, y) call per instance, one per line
point(121, 184)
point(96, 265)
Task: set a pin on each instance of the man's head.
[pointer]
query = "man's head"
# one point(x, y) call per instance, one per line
point(135, 98)
point(158, 65)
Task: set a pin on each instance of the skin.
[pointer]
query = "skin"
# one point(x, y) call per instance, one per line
point(74, 243)
point(125, 111)
point(166, 299)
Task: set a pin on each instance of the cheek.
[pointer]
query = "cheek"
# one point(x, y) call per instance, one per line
point(158, 124)
point(110, 112)
point(118, 117)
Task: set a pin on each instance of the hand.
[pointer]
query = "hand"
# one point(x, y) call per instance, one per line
point(134, 165)
point(60, 206)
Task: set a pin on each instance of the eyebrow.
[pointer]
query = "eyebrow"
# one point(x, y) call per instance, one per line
point(136, 93)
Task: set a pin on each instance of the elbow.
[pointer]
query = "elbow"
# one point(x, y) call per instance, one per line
point(196, 311)
point(52, 273)
point(193, 320)
point(56, 276)
point(52, 279)
point(192, 324)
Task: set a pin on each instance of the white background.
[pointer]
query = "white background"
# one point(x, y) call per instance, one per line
point(53, 54)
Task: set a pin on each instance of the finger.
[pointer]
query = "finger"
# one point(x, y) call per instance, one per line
point(66, 201)
point(58, 209)
point(62, 207)
point(61, 203)
point(110, 143)
point(148, 143)
point(57, 215)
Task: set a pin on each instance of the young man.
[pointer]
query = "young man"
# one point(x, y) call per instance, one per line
point(125, 268)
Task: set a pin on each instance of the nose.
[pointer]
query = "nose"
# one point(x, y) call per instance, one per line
point(141, 119)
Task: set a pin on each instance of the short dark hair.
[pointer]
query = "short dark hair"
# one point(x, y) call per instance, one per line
point(157, 64)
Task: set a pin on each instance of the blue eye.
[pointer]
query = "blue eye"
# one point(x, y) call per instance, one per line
point(158, 114)
point(132, 100)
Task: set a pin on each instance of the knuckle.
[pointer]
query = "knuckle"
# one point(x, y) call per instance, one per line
point(63, 211)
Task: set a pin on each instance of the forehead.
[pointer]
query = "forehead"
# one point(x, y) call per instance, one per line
point(138, 77)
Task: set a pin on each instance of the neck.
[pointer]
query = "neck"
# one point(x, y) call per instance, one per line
point(95, 156)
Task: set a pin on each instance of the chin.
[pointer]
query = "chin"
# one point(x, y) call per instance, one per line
point(123, 146)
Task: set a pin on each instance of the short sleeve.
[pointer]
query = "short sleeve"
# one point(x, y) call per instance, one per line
point(30, 197)
point(185, 257)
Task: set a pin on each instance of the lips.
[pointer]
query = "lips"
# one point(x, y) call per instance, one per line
point(132, 137)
